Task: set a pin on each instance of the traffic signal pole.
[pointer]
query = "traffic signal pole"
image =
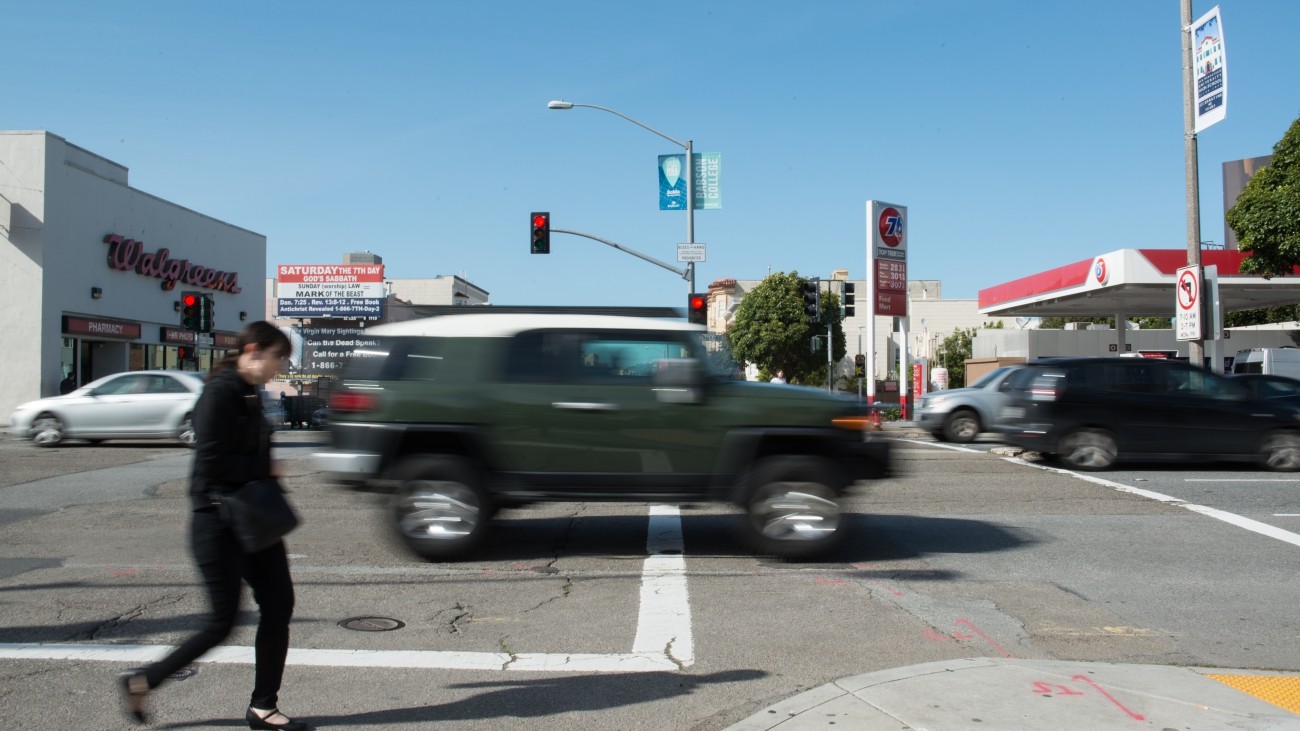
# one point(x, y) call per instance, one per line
point(1195, 348)
point(688, 273)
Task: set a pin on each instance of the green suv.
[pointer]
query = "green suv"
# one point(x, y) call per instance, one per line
point(463, 414)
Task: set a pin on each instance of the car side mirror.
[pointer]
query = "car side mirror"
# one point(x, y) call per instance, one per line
point(678, 381)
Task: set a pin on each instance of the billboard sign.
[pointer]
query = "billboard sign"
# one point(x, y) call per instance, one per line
point(347, 291)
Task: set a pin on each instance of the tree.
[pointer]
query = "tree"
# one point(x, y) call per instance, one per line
point(957, 348)
point(1143, 323)
point(771, 331)
point(1266, 217)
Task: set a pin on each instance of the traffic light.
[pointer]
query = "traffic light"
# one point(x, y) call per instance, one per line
point(849, 309)
point(184, 353)
point(541, 232)
point(859, 366)
point(190, 310)
point(207, 313)
point(812, 300)
point(697, 309)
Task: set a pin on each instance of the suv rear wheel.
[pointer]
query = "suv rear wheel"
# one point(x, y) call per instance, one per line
point(1088, 449)
point(792, 507)
point(440, 508)
point(962, 426)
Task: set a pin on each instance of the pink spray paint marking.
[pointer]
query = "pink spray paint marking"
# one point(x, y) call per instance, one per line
point(1109, 697)
point(935, 635)
point(831, 581)
point(125, 572)
point(967, 623)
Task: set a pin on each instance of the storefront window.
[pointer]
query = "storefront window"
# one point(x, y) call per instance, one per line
point(68, 366)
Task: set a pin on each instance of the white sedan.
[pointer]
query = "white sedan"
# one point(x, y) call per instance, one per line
point(132, 405)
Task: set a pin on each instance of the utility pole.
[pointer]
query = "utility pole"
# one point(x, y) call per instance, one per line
point(1195, 348)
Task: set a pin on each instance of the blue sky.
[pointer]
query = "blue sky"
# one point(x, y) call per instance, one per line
point(1021, 136)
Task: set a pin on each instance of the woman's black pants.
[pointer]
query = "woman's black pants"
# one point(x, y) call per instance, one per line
point(224, 566)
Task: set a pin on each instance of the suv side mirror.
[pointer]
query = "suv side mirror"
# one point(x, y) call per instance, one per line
point(678, 381)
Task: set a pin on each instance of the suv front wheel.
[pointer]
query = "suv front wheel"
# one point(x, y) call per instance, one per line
point(440, 508)
point(962, 426)
point(792, 507)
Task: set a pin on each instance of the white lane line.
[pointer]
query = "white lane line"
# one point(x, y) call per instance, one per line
point(938, 445)
point(1254, 526)
point(1225, 479)
point(1286, 515)
point(664, 624)
point(663, 638)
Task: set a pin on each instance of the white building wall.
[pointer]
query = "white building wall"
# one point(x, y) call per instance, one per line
point(67, 201)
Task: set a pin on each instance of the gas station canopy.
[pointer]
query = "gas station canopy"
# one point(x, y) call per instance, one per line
point(1132, 283)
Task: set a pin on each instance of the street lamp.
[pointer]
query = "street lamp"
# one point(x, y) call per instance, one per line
point(690, 168)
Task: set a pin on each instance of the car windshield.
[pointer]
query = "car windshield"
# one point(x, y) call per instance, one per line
point(990, 377)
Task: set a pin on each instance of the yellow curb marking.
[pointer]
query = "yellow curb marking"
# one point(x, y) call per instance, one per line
point(1282, 691)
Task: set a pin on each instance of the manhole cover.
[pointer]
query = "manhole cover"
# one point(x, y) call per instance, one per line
point(372, 624)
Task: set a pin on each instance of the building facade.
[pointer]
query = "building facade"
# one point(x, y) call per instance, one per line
point(92, 271)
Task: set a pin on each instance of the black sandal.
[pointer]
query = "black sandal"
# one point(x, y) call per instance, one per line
point(132, 680)
point(257, 722)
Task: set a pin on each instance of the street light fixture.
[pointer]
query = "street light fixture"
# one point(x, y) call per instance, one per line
point(690, 168)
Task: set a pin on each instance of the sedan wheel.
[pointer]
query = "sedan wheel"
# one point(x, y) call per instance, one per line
point(47, 431)
point(186, 433)
point(440, 510)
point(1089, 449)
point(1281, 452)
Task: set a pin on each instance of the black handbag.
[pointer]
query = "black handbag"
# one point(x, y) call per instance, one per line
point(258, 513)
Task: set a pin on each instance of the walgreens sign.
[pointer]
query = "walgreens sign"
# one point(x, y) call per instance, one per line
point(129, 255)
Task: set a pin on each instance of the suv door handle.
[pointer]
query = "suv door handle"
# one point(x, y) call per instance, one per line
point(585, 406)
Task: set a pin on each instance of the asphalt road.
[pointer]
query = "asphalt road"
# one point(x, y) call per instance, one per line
point(965, 554)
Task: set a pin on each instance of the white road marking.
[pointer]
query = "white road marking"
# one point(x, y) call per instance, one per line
point(1225, 479)
point(663, 639)
point(939, 445)
point(1254, 526)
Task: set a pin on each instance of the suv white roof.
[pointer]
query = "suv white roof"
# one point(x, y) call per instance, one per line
point(489, 325)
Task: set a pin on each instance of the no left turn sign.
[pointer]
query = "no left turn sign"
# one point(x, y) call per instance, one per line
point(1188, 288)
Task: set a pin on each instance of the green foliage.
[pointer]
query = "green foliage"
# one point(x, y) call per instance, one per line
point(953, 354)
point(770, 330)
point(1261, 316)
point(1266, 217)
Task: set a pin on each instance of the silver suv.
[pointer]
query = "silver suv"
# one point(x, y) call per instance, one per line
point(959, 415)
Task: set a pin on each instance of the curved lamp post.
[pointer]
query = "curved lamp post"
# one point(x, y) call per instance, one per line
point(690, 168)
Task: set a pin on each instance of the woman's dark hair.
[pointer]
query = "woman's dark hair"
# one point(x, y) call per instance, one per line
point(262, 334)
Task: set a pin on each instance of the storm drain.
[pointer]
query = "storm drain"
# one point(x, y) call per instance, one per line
point(372, 624)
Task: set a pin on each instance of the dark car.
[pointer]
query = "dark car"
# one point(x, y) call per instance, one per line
point(463, 414)
point(1278, 389)
point(1090, 412)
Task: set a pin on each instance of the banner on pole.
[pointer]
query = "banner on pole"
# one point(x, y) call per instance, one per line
point(1211, 70)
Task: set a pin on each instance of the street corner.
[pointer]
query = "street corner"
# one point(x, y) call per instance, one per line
point(1042, 694)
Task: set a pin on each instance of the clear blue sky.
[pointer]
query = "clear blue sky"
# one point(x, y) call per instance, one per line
point(1021, 135)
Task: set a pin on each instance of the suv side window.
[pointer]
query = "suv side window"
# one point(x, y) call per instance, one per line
point(625, 357)
point(538, 357)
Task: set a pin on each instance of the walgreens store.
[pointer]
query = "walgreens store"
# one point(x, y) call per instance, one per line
point(92, 271)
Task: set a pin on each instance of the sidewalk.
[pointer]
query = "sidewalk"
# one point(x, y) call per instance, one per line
point(1046, 695)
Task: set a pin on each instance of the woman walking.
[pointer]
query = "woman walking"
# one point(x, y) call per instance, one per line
point(233, 447)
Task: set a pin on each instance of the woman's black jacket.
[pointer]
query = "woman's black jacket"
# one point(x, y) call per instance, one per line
point(232, 439)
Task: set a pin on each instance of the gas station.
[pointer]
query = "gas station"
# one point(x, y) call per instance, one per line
point(1129, 283)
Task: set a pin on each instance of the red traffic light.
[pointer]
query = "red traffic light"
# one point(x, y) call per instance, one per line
point(539, 220)
point(697, 309)
point(190, 299)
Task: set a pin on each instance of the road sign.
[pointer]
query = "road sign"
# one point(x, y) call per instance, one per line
point(691, 252)
point(1187, 300)
point(204, 340)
